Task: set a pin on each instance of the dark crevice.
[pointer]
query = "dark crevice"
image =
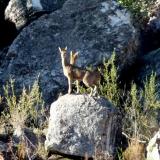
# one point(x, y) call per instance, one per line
point(129, 74)
point(8, 33)
point(150, 40)
point(8, 30)
point(73, 157)
point(3, 5)
point(35, 15)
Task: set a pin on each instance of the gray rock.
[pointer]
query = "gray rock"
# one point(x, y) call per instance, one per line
point(94, 28)
point(21, 12)
point(80, 125)
point(153, 147)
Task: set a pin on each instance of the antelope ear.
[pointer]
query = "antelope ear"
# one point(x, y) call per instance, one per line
point(76, 54)
point(66, 48)
point(59, 49)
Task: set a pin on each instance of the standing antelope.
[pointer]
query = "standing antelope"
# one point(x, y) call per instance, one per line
point(89, 78)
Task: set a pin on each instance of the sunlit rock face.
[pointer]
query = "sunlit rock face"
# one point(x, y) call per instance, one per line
point(81, 125)
point(95, 28)
point(20, 12)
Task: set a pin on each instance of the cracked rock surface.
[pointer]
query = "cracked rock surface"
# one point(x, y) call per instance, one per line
point(20, 12)
point(94, 28)
point(80, 125)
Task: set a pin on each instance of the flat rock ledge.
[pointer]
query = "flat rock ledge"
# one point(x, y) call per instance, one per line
point(80, 125)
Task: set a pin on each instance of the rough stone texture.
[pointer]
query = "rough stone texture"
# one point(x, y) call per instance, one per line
point(152, 148)
point(80, 124)
point(94, 28)
point(21, 12)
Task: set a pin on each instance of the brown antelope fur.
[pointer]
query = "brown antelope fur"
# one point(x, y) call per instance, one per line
point(73, 58)
point(89, 78)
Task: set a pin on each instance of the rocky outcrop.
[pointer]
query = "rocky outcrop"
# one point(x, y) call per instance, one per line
point(20, 12)
point(153, 147)
point(94, 28)
point(81, 125)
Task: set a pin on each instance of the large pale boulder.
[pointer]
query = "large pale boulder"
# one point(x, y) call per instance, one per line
point(20, 12)
point(81, 125)
point(94, 28)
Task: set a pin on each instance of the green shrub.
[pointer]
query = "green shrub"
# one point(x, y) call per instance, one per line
point(141, 109)
point(139, 8)
point(28, 104)
point(109, 87)
point(23, 111)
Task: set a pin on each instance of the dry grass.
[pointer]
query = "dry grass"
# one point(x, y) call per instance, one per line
point(135, 151)
point(21, 151)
